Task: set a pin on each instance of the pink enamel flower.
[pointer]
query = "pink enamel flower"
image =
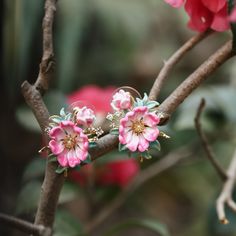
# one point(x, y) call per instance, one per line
point(68, 143)
point(85, 116)
point(138, 128)
point(121, 100)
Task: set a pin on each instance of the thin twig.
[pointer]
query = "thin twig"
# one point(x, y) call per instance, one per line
point(172, 61)
point(167, 162)
point(205, 144)
point(225, 197)
point(24, 226)
point(171, 103)
point(47, 62)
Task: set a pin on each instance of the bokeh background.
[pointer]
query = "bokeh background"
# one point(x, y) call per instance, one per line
point(101, 45)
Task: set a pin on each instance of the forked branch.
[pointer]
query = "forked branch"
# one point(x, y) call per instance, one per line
point(172, 61)
point(225, 197)
point(205, 143)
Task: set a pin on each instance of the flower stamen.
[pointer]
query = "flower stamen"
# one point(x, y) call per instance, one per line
point(69, 141)
point(138, 127)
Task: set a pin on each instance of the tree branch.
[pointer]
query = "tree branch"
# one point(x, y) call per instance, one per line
point(47, 63)
point(205, 144)
point(24, 226)
point(157, 168)
point(53, 182)
point(225, 197)
point(33, 95)
point(171, 103)
point(172, 61)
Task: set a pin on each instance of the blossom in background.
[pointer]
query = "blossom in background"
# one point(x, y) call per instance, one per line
point(121, 100)
point(68, 143)
point(119, 172)
point(98, 97)
point(205, 14)
point(138, 128)
point(232, 16)
point(85, 116)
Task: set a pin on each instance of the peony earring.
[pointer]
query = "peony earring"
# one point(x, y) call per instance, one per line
point(135, 121)
point(71, 134)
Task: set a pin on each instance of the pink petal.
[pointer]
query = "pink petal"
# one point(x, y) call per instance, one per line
point(56, 147)
point(133, 144)
point(220, 21)
point(68, 126)
point(175, 3)
point(214, 5)
point(139, 112)
point(232, 16)
point(200, 16)
point(128, 136)
point(126, 121)
point(78, 130)
point(62, 159)
point(143, 144)
point(72, 159)
point(82, 143)
point(151, 134)
point(151, 119)
point(80, 154)
point(57, 133)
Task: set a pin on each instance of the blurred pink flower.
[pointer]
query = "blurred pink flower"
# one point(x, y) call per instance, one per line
point(119, 172)
point(232, 16)
point(85, 116)
point(99, 98)
point(68, 143)
point(138, 128)
point(121, 100)
point(205, 14)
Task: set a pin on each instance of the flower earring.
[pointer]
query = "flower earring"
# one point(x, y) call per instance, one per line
point(71, 133)
point(135, 121)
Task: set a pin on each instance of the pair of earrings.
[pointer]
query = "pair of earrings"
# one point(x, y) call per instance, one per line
point(134, 120)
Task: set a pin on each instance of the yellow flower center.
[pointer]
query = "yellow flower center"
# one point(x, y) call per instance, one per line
point(138, 127)
point(69, 141)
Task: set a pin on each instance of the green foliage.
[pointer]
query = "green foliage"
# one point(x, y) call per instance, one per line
point(26, 118)
point(66, 224)
point(30, 191)
point(34, 169)
point(150, 224)
point(54, 101)
point(28, 197)
point(219, 103)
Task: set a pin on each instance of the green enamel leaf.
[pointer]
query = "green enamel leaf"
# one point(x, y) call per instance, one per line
point(92, 144)
point(152, 104)
point(88, 159)
point(122, 147)
point(156, 145)
point(114, 132)
point(146, 155)
point(60, 169)
point(62, 112)
point(52, 159)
